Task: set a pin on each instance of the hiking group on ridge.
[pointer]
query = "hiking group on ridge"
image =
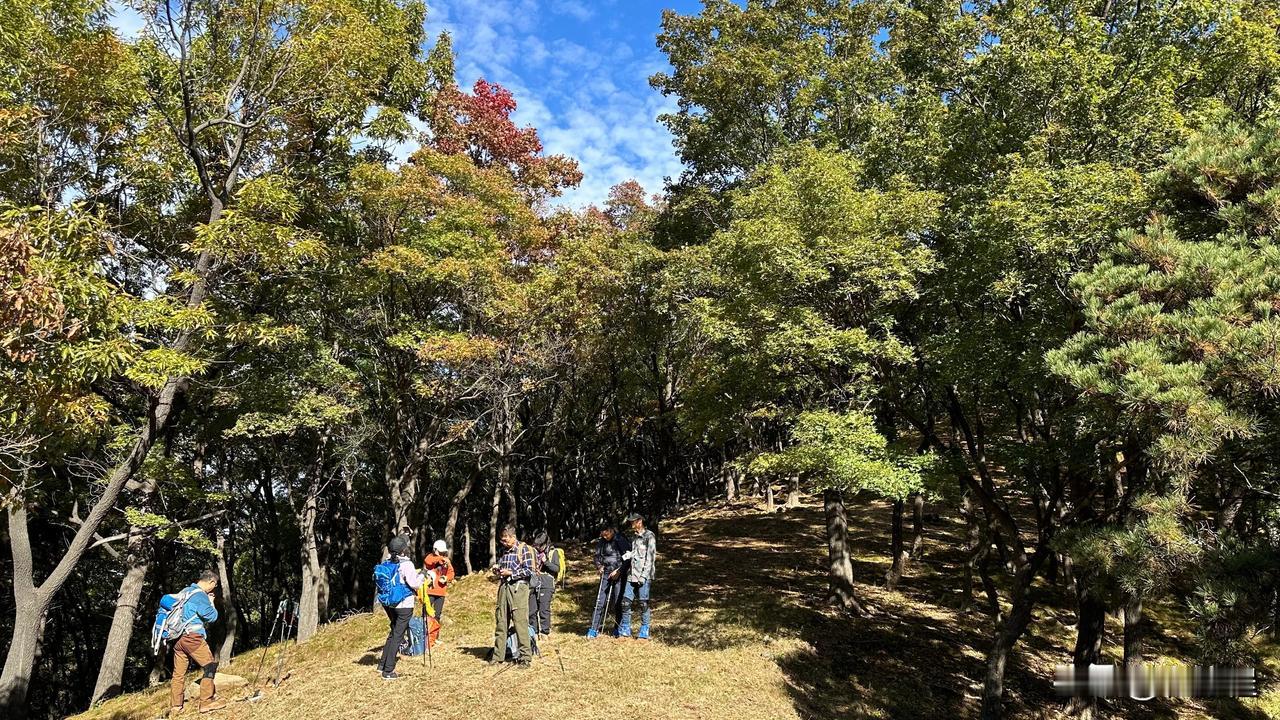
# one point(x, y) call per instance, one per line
point(527, 576)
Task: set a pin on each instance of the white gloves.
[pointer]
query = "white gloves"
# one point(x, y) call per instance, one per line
point(626, 555)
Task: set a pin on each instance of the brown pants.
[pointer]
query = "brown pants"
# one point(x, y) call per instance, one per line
point(190, 648)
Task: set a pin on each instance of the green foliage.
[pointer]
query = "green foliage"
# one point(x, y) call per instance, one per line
point(797, 295)
point(844, 451)
point(1138, 560)
point(1181, 318)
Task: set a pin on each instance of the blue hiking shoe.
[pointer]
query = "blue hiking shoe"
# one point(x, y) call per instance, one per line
point(644, 633)
point(624, 631)
point(592, 633)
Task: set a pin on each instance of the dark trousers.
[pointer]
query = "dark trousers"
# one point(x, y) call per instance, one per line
point(399, 618)
point(437, 606)
point(607, 601)
point(541, 591)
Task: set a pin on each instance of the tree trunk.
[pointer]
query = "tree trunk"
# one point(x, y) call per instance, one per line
point(1090, 630)
point(137, 561)
point(769, 505)
point(840, 577)
point(972, 538)
point(1133, 631)
point(111, 671)
point(917, 525)
point(30, 604)
point(793, 493)
point(455, 508)
point(998, 657)
point(494, 513)
point(466, 544)
point(730, 486)
point(896, 549)
point(509, 490)
point(312, 572)
point(231, 612)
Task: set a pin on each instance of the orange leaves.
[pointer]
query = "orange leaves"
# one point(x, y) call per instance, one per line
point(29, 304)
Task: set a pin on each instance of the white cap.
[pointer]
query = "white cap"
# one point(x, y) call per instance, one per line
point(440, 547)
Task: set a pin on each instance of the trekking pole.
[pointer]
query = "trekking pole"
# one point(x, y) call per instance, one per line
point(262, 660)
point(286, 629)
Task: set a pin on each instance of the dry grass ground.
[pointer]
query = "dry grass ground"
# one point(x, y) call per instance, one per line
point(739, 632)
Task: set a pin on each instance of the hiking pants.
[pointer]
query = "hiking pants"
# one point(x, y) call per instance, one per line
point(399, 618)
point(513, 607)
point(437, 606)
point(540, 594)
point(191, 649)
point(607, 601)
point(635, 591)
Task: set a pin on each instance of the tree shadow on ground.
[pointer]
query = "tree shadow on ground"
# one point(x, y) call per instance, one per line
point(755, 577)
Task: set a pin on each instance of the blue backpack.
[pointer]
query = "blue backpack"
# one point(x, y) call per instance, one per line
point(169, 624)
point(391, 588)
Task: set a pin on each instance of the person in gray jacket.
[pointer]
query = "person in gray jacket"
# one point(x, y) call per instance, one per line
point(642, 560)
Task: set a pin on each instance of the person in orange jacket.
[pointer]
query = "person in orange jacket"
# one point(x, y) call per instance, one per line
point(438, 590)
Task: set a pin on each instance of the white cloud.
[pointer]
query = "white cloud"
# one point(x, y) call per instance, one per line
point(574, 8)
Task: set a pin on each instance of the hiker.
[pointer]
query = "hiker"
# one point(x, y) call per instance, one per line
point(641, 561)
point(192, 646)
point(438, 562)
point(608, 558)
point(513, 571)
point(396, 580)
point(548, 563)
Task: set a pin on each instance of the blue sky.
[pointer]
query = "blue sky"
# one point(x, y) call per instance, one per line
point(579, 70)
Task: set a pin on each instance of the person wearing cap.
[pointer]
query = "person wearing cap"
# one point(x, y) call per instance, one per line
point(513, 571)
point(542, 586)
point(608, 557)
point(641, 561)
point(402, 612)
point(437, 562)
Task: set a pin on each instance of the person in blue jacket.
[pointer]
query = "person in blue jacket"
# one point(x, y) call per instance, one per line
point(191, 646)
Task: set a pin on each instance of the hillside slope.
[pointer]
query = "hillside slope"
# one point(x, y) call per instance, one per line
point(739, 632)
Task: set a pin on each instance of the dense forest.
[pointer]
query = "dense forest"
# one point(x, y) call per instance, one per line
point(1018, 259)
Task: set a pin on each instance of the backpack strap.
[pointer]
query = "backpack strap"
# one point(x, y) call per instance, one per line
point(175, 625)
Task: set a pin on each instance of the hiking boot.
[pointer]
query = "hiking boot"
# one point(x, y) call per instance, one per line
point(174, 711)
point(644, 633)
point(213, 705)
point(624, 631)
point(393, 675)
point(592, 634)
point(524, 664)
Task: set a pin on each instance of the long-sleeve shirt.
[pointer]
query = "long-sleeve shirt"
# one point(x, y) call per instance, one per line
point(519, 559)
point(443, 569)
point(644, 556)
point(411, 577)
point(198, 611)
point(608, 553)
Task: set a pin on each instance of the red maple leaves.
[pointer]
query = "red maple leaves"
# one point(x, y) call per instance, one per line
point(479, 125)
